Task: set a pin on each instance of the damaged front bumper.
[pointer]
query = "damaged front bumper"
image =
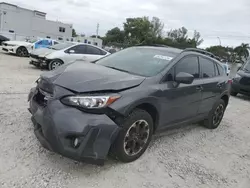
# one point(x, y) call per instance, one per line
point(70, 132)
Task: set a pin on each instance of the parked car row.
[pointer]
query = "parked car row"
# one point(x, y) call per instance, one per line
point(23, 49)
point(64, 53)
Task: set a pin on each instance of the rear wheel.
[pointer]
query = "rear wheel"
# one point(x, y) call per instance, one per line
point(54, 64)
point(216, 115)
point(22, 52)
point(134, 138)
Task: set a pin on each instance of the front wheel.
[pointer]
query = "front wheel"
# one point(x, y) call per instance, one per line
point(22, 52)
point(134, 138)
point(54, 64)
point(216, 115)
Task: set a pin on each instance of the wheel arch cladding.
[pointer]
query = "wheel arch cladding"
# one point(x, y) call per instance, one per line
point(225, 98)
point(152, 110)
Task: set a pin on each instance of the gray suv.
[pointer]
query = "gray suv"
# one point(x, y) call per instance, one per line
point(85, 111)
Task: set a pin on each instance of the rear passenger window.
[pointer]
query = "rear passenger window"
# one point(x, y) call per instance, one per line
point(207, 68)
point(216, 70)
point(221, 69)
point(93, 50)
point(189, 65)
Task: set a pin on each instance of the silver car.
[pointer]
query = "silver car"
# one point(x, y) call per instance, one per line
point(54, 56)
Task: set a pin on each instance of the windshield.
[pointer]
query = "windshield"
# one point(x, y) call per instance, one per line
point(60, 46)
point(246, 67)
point(138, 60)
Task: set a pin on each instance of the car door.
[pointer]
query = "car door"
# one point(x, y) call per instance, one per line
point(212, 84)
point(181, 102)
point(93, 53)
point(74, 53)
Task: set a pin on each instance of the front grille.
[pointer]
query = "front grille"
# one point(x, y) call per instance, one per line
point(245, 81)
point(34, 56)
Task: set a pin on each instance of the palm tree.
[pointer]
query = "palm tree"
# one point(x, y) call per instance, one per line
point(242, 51)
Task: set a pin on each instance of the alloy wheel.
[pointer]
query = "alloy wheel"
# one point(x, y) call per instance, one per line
point(218, 115)
point(55, 64)
point(136, 137)
point(22, 52)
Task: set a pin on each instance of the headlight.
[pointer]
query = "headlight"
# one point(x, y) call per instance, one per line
point(89, 102)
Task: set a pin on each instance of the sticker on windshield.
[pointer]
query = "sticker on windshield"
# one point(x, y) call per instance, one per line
point(163, 57)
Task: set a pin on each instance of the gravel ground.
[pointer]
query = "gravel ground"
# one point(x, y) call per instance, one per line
point(191, 156)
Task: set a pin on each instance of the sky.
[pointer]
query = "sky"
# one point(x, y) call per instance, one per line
point(225, 21)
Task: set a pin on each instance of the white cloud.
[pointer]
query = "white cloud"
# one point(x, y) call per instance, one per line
point(226, 19)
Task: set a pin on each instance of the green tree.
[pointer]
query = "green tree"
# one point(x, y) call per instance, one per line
point(138, 31)
point(74, 33)
point(157, 27)
point(221, 51)
point(114, 35)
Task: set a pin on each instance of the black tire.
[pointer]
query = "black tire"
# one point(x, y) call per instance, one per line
point(22, 52)
point(54, 64)
point(210, 122)
point(119, 149)
point(233, 93)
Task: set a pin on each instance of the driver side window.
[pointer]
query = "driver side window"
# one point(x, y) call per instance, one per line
point(188, 65)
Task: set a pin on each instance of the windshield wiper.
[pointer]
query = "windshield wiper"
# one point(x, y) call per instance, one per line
point(119, 69)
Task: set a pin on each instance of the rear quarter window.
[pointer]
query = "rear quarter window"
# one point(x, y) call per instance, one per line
point(221, 69)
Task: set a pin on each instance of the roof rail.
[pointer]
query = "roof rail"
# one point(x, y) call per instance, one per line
point(199, 51)
point(156, 45)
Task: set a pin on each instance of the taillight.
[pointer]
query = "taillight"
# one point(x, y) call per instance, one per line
point(230, 81)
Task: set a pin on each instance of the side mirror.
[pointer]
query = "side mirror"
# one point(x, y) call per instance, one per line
point(184, 78)
point(71, 51)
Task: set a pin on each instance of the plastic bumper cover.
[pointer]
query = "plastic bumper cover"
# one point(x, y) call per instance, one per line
point(56, 127)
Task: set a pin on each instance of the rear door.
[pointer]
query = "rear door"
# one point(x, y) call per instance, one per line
point(181, 102)
point(213, 84)
point(93, 53)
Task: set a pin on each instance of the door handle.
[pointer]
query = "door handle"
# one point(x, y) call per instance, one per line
point(199, 88)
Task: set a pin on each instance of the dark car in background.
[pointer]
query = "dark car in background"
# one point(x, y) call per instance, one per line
point(85, 111)
point(241, 82)
point(3, 39)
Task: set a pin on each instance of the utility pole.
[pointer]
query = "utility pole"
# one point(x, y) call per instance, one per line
point(219, 40)
point(97, 30)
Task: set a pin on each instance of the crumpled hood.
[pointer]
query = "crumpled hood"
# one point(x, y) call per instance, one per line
point(88, 77)
point(42, 52)
point(23, 43)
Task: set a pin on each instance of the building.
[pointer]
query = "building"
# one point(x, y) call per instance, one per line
point(88, 40)
point(19, 23)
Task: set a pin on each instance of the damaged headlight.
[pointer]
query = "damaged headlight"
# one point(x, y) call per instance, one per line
point(90, 102)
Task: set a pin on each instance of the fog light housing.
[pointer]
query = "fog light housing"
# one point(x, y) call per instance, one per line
point(76, 142)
